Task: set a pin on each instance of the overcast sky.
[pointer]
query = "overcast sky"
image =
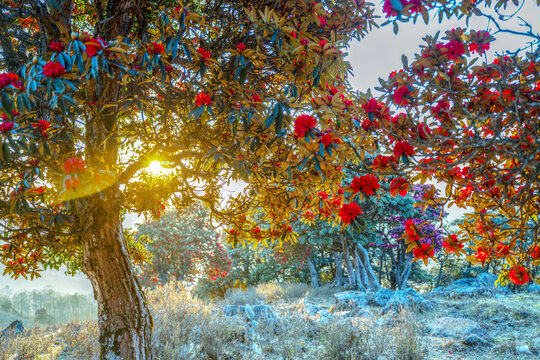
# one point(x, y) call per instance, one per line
point(375, 56)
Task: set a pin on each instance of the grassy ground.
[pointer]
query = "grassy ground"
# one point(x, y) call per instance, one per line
point(186, 328)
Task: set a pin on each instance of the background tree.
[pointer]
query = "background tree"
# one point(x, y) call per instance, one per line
point(183, 246)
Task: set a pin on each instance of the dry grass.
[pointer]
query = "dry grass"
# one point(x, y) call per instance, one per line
point(188, 328)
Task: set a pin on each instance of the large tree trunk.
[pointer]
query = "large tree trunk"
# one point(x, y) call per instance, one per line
point(347, 259)
point(338, 258)
point(313, 273)
point(125, 322)
point(371, 281)
point(404, 277)
point(361, 277)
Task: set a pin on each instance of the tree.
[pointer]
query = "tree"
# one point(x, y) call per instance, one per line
point(217, 91)
point(472, 125)
point(183, 247)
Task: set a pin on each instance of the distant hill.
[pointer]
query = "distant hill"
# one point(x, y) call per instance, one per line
point(8, 318)
point(57, 280)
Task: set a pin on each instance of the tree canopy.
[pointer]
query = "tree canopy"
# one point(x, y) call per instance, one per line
point(220, 91)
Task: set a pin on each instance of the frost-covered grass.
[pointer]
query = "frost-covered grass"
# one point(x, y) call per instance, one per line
point(188, 328)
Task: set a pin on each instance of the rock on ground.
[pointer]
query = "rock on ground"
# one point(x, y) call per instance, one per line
point(482, 285)
point(251, 312)
point(465, 330)
point(351, 299)
point(314, 312)
point(406, 299)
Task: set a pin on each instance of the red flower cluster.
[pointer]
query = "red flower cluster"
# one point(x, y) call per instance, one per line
point(349, 212)
point(303, 124)
point(53, 69)
point(367, 184)
point(6, 126)
point(452, 243)
point(241, 47)
point(453, 49)
point(519, 276)
point(481, 255)
point(327, 139)
point(535, 253)
point(74, 165)
point(72, 183)
point(56, 46)
point(441, 111)
point(42, 125)
point(205, 55)
point(203, 99)
point(376, 108)
point(403, 148)
point(424, 251)
point(383, 162)
point(155, 48)
point(399, 186)
point(402, 95)
point(7, 79)
point(93, 46)
point(411, 231)
point(390, 10)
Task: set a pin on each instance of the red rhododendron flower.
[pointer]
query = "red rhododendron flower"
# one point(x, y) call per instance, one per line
point(383, 163)
point(481, 255)
point(411, 232)
point(424, 251)
point(155, 48)
point(402, 95)
point(93, 46)
point(441, 111)
point(519, 275)
point(72, 183)
point(53, 69)
point(303, 124)
point(399, 186)
point(7, 79)
point(41, 125)
point(535, 253)
point(367, 184)
point(241, 47)
point(403, 148)
point(73, 165)
point(370, 125)
point(454, 49)
point(56, 46)
point(349, 212)
point(327, 139)
point(479, 48)
point(203, 99)
point(6, 126)
point(322, 195)
point(452, 243)
point(502, 249)
point(205, 55)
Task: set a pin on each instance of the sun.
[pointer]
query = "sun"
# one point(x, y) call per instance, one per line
point(155, 168)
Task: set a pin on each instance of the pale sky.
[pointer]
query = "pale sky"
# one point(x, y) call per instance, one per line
point(375, 56)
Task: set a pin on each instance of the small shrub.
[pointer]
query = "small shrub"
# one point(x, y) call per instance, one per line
point(242, 297)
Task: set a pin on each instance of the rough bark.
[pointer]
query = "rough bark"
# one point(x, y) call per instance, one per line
point(124, 318)
point(348, 265)
point(338, 259)
point(313, 273)
point(371, 280)
point(404, 277)
point(361, 277)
